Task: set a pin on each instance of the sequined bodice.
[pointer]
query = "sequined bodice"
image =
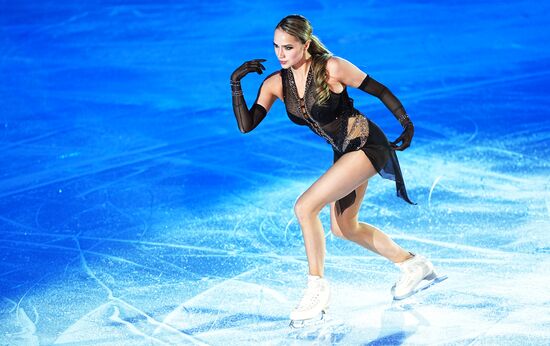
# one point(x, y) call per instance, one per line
point(337, 120)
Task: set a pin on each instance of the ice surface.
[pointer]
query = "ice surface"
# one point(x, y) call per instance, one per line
point(133, 211)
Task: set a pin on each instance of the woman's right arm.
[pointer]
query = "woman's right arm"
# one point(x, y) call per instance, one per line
point(248, 119)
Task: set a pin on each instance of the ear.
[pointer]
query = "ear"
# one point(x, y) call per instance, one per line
point(306, 45)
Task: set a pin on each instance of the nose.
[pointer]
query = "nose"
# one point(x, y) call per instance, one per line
point(280, 53)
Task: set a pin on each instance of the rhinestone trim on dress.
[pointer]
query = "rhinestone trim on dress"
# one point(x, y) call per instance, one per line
point(359, 128)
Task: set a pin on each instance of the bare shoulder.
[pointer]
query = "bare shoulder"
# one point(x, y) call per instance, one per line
point(335, 64)
point(344, 71)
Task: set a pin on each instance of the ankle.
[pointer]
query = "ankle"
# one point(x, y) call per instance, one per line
point(405, 257)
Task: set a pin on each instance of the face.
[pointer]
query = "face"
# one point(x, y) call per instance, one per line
point(289, 50)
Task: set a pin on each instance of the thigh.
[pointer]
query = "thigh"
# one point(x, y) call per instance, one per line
point(347, 174)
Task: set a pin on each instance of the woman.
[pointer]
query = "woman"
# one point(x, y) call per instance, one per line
point(312, 84)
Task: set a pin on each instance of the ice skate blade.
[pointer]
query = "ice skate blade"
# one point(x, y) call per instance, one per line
point(424, 284)
point(298, 324)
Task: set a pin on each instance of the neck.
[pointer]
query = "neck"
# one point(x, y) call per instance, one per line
point(302, 67)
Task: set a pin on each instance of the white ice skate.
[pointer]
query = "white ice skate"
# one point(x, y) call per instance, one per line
point(417, 274)
point(313, 305)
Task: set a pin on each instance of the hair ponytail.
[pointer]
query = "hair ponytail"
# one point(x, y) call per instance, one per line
point(320, 55)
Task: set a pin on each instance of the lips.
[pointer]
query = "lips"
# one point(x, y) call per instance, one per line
point(282, 62)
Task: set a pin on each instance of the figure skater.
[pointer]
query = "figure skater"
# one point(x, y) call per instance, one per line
point(312, 84)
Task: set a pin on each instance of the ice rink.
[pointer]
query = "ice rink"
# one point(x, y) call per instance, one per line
point(134, 212)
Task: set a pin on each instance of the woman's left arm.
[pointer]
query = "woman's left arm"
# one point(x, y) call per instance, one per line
point(346, 73)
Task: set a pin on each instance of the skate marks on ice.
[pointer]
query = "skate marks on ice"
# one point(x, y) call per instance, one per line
point(480, 213)
point(245, 309)
point(21, 331)
point(118, 322)
point(230, 309)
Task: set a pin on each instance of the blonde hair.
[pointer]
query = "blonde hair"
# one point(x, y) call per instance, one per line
point(299, 27)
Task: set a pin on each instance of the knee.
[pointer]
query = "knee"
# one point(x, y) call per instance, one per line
point(305, 210)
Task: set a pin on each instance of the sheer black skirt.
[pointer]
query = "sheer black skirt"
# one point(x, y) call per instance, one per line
point(383, 158)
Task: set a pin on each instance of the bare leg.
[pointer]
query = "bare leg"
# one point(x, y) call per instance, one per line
point(348, 227)
point(348, 173)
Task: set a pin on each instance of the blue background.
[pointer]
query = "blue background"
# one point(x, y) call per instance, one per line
point(133, 211)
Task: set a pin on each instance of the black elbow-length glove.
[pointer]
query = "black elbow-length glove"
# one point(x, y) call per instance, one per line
point(246, 119)
point(372, 87)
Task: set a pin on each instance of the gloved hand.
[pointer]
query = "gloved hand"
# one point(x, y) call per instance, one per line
point(247, 119)
point(406, 136)
point(247, 67)
point(375, 88)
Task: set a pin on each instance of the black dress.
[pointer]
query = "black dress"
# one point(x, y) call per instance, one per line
point(345, 128)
